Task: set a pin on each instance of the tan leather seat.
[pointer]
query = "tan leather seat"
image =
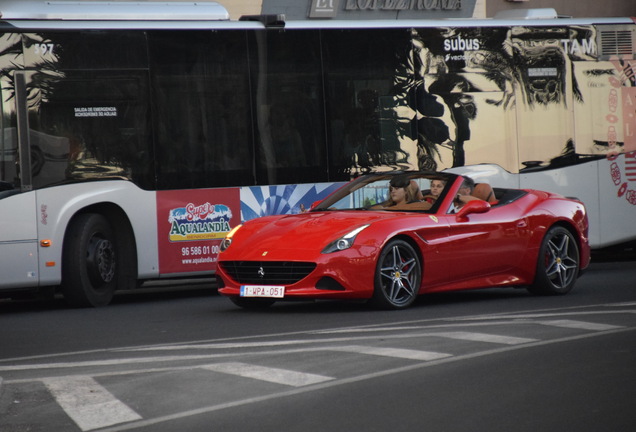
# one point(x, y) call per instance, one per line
point(484, 192)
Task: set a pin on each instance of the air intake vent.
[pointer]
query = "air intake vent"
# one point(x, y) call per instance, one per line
point(267, 272)
point(616, 43)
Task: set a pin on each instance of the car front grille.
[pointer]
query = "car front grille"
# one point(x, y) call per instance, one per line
point(267, 273)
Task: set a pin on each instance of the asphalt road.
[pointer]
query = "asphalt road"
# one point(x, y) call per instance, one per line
point(185, 359)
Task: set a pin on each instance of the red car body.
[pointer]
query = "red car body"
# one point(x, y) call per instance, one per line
point(506, 243)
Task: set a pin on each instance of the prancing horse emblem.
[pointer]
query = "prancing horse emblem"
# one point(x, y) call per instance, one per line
point(261, 272)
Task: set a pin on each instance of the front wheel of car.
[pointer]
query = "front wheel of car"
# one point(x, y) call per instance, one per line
point(558, 263)
point(398, 276)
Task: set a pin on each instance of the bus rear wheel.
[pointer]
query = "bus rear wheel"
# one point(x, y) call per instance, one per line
point(90, 262)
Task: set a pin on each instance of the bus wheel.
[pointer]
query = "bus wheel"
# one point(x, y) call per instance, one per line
point(89, 266)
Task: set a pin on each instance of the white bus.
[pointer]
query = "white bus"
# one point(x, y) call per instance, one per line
point(135, 136)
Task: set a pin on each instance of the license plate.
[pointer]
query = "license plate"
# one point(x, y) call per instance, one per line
point(262, 291)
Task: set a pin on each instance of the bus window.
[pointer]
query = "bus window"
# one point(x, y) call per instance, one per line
point(9, 173)
point(546, 121)
point(87, 123)
point(360, 75)
point(9, 180)
point(202, 110)
point(288, 106)
point(85, 50)
point(92, 125)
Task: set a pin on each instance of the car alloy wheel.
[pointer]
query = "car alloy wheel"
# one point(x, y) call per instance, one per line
point(558, 263)
point(398, 276)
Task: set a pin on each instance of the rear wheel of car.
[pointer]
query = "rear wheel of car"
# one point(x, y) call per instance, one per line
point(252, 303)
point(90, 266)
point(558, 263)
point(398, 276)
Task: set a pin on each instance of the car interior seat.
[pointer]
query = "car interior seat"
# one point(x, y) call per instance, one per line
point(484, 192)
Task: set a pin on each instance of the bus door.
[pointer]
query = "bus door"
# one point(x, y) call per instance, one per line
point(18, 226)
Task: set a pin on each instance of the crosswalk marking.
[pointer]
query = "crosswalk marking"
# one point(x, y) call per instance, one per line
point(93, 407)
point(583, 325)
point(392, 352)
point(275, 375)
point(484, 337)
point(89, 404)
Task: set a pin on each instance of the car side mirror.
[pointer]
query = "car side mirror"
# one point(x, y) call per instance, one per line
point(474, 206)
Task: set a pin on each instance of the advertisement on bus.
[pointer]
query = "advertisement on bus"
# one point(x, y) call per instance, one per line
point(191, 225)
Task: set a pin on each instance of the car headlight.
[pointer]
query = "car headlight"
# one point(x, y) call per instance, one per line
point(227, 241)
point(344, 242)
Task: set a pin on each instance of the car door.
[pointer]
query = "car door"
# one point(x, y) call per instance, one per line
point(486, 246)
point(434, 234)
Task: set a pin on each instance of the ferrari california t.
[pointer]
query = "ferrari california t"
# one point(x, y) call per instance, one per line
point(390, 237)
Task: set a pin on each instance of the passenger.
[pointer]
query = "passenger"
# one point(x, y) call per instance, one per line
point(415, 189)
point(400, 193)
point(464, 194)
point(467, 187)
point(437, 186)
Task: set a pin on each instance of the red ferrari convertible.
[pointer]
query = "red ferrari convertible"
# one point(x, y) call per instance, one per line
point(392, 236)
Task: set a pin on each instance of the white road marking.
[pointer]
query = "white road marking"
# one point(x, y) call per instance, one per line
point(392, 352)
point(368, 329)
point(327, 382)
point(579, 325)
point(275, 375)
point(424, 323)
point(115, 362)
point(519, 316)
point(222, 345)
point(264, 344)
point(89, 404)
point(345, 381)
point(483, 337)
point(471, 336)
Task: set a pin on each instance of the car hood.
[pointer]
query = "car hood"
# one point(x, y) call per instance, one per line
point(306, 232)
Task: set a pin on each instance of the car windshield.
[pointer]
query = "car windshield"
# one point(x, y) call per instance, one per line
point(407, 191)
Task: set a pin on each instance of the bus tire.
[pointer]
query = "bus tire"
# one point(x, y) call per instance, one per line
point(89, 262)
